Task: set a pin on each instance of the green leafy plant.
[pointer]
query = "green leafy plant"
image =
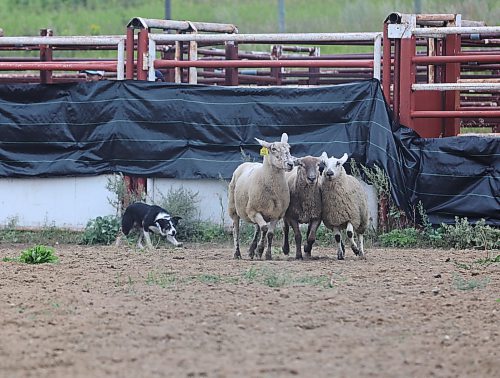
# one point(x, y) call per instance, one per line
point(183, 202)
point(463, 234)
point(101, 230)
point(404, 238)
point(38, 254)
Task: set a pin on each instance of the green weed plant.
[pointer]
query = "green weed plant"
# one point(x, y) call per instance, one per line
point(39, 254)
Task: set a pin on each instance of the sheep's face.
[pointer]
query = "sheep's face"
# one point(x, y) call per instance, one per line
point(278, 153)
point(308, 169)
point(333, 166)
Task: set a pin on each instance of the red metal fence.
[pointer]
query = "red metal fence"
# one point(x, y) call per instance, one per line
point(438, 72)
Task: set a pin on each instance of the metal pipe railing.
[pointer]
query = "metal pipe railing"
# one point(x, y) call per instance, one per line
point(305, 38)
point(118, 41)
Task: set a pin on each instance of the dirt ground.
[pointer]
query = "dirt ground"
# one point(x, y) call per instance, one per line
point(196, 312)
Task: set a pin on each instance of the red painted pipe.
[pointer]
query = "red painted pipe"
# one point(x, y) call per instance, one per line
point(455, 113)
point(64, 66)
point(456, 59)
point(262, 63)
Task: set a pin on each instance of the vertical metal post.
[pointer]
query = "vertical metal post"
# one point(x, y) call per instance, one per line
point(46, 56)
point(178, 56)
point(452, 74)
point(193, 55)
point(314, 72)
point(407, 79)
point(168, 10)
point(396, 95)
point(377, 53)
point(151, 59)
point(276, 53)
point(129, 47)
point(386, 66)
point(281, 16)
point(231, 54)
point(120, 65)
point(142, 54)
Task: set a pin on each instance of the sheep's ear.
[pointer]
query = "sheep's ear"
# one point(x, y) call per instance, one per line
point(263, 143)
point(321, 167)
point(343, 159)
point(324, 156)
point(284, 138)
point(296, 161)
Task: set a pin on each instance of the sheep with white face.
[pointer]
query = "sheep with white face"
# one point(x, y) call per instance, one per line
point(258, 194)
point(345, 204)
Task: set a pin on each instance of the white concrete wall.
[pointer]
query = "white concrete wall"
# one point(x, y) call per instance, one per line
point(66, 202)
point(70, 202)
point(211, 193)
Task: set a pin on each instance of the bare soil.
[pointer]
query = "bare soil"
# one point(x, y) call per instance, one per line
point(196, 312)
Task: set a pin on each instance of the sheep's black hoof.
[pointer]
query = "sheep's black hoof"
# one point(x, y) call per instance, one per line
point(356, 251)
point(268, 256)
point(237, 256)
point(286, 251)
point(298, 256)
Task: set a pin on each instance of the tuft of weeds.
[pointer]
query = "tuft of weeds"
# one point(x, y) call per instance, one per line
point(209, 278)
point(164, 280)
point(271, 278)
point(462, 284)
point(406, 237)
point(45, 235)
point(39, 254)
point(101, 230)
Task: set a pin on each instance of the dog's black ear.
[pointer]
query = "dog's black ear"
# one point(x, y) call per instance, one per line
point(176, 220)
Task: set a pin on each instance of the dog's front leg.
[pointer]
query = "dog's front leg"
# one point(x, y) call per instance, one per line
point(139, 242)
point(148, 240)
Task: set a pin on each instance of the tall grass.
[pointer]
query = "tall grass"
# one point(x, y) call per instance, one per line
point(97, 17)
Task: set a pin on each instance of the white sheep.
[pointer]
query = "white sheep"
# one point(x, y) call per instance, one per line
point(345, 204)
point(258, 194)
point(305, 204)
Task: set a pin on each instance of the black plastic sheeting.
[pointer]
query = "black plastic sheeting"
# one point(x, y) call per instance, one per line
point(193, 131)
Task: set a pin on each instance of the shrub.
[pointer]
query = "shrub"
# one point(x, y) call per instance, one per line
point(101, 230)
point(463, 235)
point(38, 254)
point(406, 237)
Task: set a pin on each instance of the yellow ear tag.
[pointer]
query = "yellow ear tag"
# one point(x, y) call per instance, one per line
point(264, 151)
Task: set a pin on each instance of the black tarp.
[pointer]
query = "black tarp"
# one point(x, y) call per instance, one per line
point(193, 131)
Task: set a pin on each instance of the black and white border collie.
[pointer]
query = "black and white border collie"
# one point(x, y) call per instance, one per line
point(149, 218)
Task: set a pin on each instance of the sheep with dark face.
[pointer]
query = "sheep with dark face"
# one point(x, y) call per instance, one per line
point(305, 204)
point(258, 194)
point(345, 204)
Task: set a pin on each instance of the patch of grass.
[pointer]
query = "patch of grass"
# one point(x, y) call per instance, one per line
point(45, 235)
point(462, 265)
point(462, 284)
point(164, 280)
point(9, 259)
point(271, 278)
point(209, 278)
point(488, 261)
point(39, 254)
